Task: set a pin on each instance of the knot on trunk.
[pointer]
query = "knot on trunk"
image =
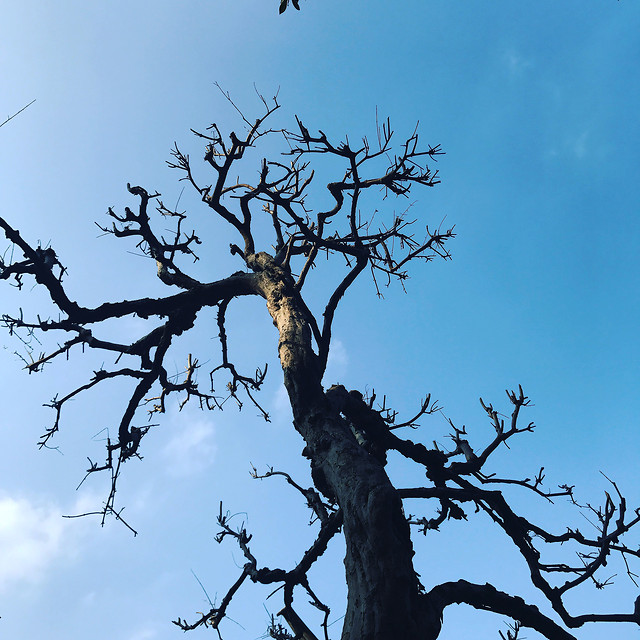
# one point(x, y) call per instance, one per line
point(367, 425)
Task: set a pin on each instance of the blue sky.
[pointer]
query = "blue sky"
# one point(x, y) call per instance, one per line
point(536, 107)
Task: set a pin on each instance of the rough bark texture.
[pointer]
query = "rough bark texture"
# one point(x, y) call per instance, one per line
point(383, 589)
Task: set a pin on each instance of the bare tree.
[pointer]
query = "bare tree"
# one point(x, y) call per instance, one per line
point(347, 436)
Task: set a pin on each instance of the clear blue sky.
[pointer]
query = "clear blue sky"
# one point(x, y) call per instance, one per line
point(536, 105)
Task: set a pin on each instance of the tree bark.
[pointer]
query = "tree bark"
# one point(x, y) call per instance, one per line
point(384, 594)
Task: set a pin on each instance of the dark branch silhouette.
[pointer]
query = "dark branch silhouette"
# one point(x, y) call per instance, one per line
point(17, 113)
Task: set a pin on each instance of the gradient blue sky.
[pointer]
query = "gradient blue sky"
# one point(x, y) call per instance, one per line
point(536, 105)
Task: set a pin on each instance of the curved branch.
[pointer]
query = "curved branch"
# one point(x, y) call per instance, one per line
point(330, 309)
point(487, 598)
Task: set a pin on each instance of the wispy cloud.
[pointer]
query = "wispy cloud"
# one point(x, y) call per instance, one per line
point(281, 412)
point(580, 145)
point(192, 447)
point(337, 363)
point(33, 537)
point(516, 63)
point(575, 146)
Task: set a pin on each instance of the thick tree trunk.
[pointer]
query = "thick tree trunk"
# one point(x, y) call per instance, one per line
point(383, 589)
point(384, 599)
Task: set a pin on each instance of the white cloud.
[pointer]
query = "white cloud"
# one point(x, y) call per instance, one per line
point(192, 448)
point(33, 537)
point(580, 147)
point(281, 407)
point(337, 363)
point(574, 146)
point(515, 63)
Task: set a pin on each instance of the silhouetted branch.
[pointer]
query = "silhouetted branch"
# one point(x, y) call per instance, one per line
point(28, 105)
point(488, 598)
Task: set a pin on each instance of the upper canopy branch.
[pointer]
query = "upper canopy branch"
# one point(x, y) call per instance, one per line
point(281, 192)
point(163, 252)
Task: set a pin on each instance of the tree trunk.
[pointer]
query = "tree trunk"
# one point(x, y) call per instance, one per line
point(384, 595)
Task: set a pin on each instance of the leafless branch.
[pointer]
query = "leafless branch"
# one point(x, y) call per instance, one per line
point(16, 113)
